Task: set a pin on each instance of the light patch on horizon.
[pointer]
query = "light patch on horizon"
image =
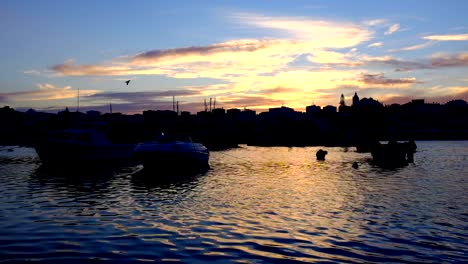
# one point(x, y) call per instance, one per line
point(392, 29)
point(438, 93)
point(452, 37)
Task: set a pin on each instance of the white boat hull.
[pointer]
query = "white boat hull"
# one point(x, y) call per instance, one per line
point(172, 156)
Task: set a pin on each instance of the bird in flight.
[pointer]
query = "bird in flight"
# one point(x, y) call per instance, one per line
point(128, 81)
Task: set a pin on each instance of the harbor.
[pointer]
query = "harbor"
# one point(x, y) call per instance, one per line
point(254, 204)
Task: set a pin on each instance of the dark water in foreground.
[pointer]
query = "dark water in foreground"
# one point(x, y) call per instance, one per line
point(254, 205)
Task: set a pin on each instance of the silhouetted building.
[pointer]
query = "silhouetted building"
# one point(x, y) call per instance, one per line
point(329, 109)
point(355, 99)
point(281, 110)
point(417, 101)
point(233, 112)
point(312, 109)
point(218, 111)
point(366, 102)
point(342, 100)
point(185, 113)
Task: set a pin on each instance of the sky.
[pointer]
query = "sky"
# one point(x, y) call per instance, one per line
point(243, 54)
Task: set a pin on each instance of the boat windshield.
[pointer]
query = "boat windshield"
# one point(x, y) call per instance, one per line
point(163, 138)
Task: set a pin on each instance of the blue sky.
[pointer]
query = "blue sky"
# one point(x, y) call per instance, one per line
point(254, 54)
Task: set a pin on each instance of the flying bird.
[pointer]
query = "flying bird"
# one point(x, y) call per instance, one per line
point(127, 82)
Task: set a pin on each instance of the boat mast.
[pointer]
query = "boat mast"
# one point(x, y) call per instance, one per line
point(78, 100)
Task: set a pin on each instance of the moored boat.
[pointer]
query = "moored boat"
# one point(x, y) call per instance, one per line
point(393, 154)
point(81, 147)
point(172, 154)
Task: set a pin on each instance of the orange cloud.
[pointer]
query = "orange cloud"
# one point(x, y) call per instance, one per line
point(46, 91)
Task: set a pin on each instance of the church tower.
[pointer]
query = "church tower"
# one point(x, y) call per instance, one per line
point(342, 100)
point(355, 99)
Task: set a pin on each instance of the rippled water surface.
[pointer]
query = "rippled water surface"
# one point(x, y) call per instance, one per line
point(255, 204)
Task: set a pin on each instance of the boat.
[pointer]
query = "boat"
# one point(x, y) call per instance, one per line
point(81, 147)
point(167, 153)
point(393, 154)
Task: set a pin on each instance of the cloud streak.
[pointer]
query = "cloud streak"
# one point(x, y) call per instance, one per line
point(392, 29)
point(416, 47)
point(140, 97)
point(380, 80)
point(435, 62)
point(453, 37)
point(450, 60)
point(201, 51)
point(44, 92)
point(375, 44)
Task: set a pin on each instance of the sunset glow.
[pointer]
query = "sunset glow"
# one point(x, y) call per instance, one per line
point(247, 55)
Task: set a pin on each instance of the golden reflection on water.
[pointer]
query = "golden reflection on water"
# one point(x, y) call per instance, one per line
point(254, 203)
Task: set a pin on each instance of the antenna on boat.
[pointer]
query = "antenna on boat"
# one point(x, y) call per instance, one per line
point(78, 100)
point(210, 104)
point(177, 104)
point(173, 103)
point(110, 107)
point(214, 103)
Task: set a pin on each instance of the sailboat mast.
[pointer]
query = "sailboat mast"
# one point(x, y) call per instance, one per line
point(78, 100)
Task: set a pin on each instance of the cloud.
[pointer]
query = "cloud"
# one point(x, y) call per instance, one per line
point(380, 80)
point(69, 68)
point(203, 51)
point(276, 90)
point(392, 29)
point(435, 62)
point(332, 58)
point(400, 65)
point(139, 97)
point(320, 33)
point(375, 44)
point(46, 91)
point(454, 37)
point(286, 39)
point(449, 60)
point(32, 72)
point(415, 47)
point(374, 22)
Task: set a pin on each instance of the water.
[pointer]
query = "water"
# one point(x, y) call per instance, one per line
point(254, 205)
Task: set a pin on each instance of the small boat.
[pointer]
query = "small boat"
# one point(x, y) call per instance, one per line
point(81, 147)
point(172, 154)
point(393, 154)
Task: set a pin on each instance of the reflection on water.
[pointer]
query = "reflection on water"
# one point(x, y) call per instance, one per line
point(253, 205)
